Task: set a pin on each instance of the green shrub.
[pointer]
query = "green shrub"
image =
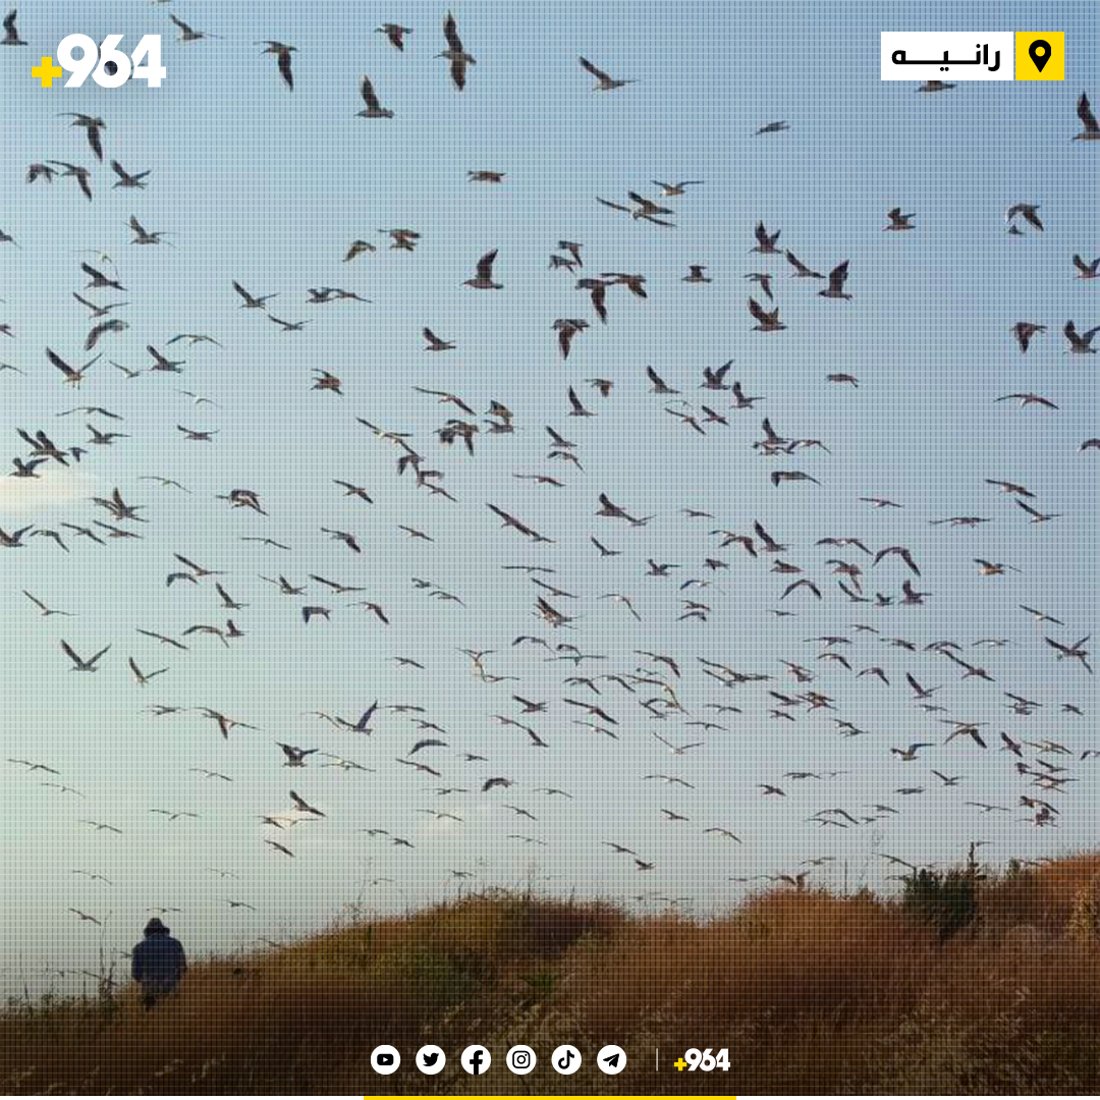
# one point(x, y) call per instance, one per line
point(948, 900)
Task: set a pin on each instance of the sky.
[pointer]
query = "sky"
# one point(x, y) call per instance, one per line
point(266, 186)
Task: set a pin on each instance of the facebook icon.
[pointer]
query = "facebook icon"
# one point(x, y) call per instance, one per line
point(476, 1059)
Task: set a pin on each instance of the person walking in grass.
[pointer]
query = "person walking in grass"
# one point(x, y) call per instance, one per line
point(158, 963)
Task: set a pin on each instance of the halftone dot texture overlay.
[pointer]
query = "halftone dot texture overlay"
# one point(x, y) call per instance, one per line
point(591, 558)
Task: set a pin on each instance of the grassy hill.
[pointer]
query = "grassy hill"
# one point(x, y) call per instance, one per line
point(967, 984)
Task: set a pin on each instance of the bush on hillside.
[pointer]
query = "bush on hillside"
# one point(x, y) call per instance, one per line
point(948, 900)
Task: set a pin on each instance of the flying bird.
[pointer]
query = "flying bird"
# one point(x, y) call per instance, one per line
point(455, 52)
point(188, 34)
point(79, 664)
point(898, 221)
point(837, 278)
point(1024, 331)
point(483, 280)
point(1091, 131)
point(11, 33)
point(604, 83)
point(766, 321)
point(1080, 343)
point(282, 54)
point(395, 33)
point(129, 179)
point(435, 343)
point(374, 108)
point(644, 209)
point(1086, 269)
point(1028, 211)
point(93, 128)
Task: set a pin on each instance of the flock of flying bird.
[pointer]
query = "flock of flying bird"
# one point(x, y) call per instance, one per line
point(677, 706)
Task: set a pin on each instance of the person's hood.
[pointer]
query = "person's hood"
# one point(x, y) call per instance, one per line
point(156, 927)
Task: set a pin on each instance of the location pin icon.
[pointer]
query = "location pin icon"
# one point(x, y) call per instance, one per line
point(1039, 52)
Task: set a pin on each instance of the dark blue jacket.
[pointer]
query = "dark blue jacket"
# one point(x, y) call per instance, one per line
point(159, 960)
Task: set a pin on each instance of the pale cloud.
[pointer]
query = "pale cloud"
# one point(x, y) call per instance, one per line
point(27, 496)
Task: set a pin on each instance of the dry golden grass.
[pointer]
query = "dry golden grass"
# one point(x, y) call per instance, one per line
point(811, 993)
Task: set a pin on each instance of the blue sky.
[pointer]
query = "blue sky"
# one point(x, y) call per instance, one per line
point(269, 187)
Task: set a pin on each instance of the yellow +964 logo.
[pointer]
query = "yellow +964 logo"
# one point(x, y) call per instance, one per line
point(704, 1060)
point(107, 65)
